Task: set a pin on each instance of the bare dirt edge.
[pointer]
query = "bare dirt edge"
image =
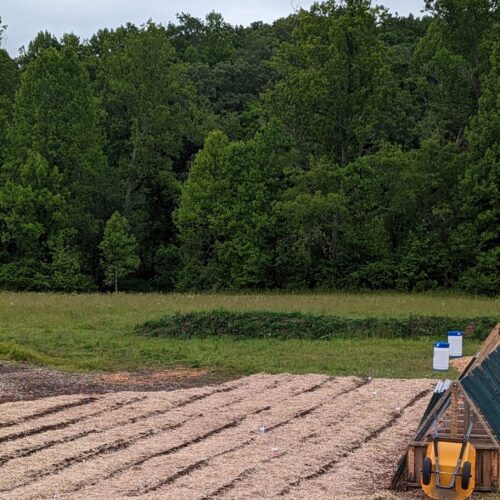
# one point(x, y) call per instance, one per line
point(24, 382)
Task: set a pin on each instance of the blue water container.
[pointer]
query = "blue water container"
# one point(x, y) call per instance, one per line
point(441, 359)
point(455, 339)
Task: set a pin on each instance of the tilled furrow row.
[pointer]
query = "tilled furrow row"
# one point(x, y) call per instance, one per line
point(372, 475)
point(315, 387)
point(242, 476)
point(259, 453)
point(247, 432)
point(12, 411)
point(48, 411)
point(150, 441)
point(226, 487)
point(336, 431)
point(331, 465)
point(135, 471)
point(162, 406)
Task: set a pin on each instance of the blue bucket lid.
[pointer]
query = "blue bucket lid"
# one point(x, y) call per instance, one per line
point(455, 333)
point(442, 345)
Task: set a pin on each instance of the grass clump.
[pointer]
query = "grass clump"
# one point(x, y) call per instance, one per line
point(12, 352)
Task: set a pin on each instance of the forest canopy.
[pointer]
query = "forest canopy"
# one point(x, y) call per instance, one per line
point(342, 147)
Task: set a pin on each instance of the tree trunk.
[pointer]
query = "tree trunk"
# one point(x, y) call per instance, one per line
point(126, 203)
point(116, 282)
point(128, 193)
point(344, 157)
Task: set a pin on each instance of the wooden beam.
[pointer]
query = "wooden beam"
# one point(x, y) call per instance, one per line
point(454, 410)
point(491, 343)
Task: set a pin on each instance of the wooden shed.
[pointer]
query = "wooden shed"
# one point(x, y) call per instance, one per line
point(475, 396)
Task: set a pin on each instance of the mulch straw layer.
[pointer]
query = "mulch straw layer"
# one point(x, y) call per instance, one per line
point(263, 436)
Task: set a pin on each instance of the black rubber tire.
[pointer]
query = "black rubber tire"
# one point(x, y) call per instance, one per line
point(427, 471)
point(466, 475)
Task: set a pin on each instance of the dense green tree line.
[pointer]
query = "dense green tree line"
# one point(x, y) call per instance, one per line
point(341, 147)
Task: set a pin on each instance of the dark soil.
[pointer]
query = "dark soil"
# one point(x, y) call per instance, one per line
point(25, 382)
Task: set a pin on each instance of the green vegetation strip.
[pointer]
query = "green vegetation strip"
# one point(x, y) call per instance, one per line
point(98, 332)
point(14, 352)
point(307, 326)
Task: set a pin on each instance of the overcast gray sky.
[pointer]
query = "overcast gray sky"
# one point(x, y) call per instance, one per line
point(25, 18)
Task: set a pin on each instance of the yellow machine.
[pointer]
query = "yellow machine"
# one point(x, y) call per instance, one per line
point(448, 471)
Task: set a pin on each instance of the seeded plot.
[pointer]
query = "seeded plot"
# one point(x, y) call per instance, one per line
point(262, 436)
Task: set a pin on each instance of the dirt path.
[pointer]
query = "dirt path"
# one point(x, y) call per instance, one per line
point(23, 382)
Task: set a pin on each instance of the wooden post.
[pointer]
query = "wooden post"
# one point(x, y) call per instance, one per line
point(495, 469)
point(410, 466)
point(454, 411)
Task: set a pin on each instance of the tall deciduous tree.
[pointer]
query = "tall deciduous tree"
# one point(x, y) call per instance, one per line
point(9, 79)
point(56, 116)
point(332, 228)
point(450, 60)
point(119, 250)
point(43, 40)
point(479, 234)
point(151, 112)
point(225, 218)
point(468, 28)
point(37, 248)
point(335, 84)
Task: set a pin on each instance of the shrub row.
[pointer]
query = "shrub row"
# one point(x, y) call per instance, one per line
point(306, 326)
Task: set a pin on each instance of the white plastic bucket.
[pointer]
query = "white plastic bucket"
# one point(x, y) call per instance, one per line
point(441, 360)
point(455, 339)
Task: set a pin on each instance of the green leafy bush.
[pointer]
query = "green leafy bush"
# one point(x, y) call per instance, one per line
point(262, 324)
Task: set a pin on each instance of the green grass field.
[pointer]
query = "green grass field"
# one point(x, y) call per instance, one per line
point(95, 332)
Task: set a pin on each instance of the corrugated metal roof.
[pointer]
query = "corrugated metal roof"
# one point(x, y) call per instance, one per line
point(482, 385)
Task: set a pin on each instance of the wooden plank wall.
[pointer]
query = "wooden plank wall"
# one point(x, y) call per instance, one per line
point(487, 467)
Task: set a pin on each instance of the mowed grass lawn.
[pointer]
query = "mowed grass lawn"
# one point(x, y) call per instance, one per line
point(95, 332)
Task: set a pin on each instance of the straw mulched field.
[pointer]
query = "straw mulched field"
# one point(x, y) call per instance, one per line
point(263, 436)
